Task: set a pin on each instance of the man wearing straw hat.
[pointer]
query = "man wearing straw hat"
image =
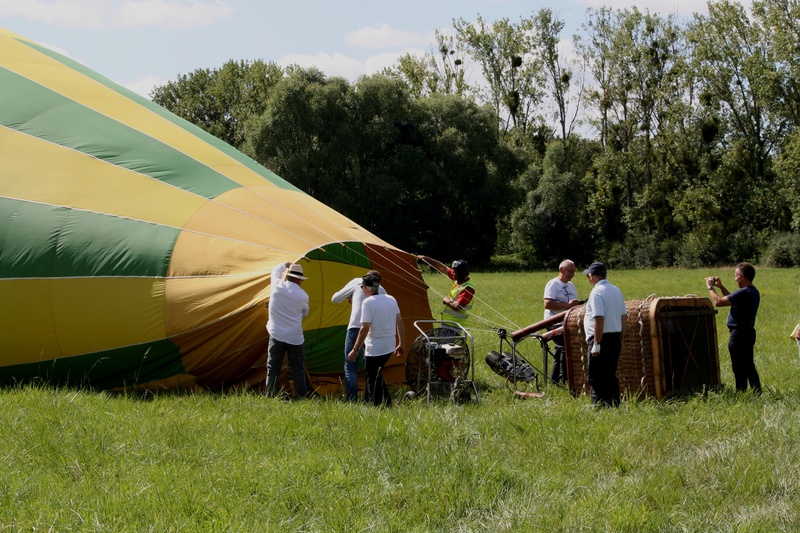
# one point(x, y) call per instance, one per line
point(605, 323)
point(288, 306)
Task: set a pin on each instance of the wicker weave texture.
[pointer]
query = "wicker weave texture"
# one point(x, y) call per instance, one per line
point(646, 349)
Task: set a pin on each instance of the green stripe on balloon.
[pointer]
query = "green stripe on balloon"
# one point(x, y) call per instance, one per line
point(325, 349)
point(223, 147)
point(349, 253)
point(61, 242)
point(120, 367)
point(37, 111)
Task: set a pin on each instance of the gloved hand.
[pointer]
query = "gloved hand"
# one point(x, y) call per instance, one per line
point(595, 348)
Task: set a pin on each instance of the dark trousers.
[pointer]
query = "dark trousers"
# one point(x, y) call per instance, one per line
point(375, 390)
point(275, 353)
point(603, 370)
point(559, 372)
point(741, 346)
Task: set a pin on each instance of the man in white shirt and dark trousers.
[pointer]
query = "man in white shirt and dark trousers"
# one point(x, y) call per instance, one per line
point(382, 333)
point(605, 324)
point(559, 295)
point(288, 306)
point(353, 292)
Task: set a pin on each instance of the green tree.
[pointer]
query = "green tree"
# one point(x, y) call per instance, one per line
point(391, 174)
point(559, 76)
point(425, 174)
point(439, 72)
point(732, 58)
point(788, 169)
point(596, 48)
point(506, 54)
point(221, 100)
point(736, 68)
point(305, 133)
point(550, 225)
point(639, 100)
point(781, 22)
point(473, 169)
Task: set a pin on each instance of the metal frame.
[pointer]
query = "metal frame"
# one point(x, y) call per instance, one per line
point(544, 339)
point(516, 356)
point(555, 323)
point(433, 342)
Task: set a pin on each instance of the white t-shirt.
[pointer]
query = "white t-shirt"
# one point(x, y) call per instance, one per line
point(380, 312)
point(353, 290)
point(288, 306)
point(559, 291)
point(607, 301)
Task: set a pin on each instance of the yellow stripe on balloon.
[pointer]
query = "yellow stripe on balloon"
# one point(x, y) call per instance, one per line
point(96, 314)
point(65, 177)
point(86, 314)
point(198, 254)
point(294, 217)
point(337, 275)
point(26, 337)
point(195, 302)
point(62, 79)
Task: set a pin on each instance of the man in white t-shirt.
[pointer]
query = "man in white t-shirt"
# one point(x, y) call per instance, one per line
point(382, 333)
point(559, 295)
point(288, 306)
point(354, 293)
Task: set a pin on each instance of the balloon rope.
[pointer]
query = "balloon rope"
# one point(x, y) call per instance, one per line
point(479, 300)
point(411, 277)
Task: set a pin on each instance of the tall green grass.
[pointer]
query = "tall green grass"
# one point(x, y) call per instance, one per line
point(88, 461)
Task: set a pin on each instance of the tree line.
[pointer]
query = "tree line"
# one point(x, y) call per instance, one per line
point(661, 142)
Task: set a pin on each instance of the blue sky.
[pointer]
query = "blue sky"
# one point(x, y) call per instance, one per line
point(142, 43)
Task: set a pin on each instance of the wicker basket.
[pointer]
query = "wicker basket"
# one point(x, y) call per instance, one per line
point(670, 348)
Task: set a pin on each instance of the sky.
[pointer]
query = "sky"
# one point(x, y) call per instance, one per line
point(141, 44)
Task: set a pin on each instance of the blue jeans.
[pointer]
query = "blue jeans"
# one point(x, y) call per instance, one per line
point(351, 367)
point(275, 352)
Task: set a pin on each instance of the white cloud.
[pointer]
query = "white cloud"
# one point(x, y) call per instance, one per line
point(145, 84)
point(109, 14)
point(331, 64)
point(378, 62)
point(57, 49)
point(170, 14)
point(346, 67)
point(59, 13)
point(680, 8)
point(383, 36)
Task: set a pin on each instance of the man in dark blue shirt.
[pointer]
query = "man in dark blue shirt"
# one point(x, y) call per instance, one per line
point(741, 323)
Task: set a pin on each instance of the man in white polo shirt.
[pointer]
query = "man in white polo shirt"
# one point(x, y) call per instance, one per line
point(605, 324)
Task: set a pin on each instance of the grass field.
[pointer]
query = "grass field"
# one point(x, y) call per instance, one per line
point(86, 461)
